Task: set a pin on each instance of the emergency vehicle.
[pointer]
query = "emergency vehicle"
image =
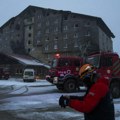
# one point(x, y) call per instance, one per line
point(4, 73)
point(65, 76)
point(64, 72)
point(108, 64)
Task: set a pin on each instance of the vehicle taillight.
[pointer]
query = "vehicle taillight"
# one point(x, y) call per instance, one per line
point(57, 55)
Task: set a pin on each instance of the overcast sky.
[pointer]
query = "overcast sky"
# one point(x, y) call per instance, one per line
point(108, 10)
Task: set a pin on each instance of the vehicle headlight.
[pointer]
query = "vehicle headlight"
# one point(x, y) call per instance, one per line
point(55, 80)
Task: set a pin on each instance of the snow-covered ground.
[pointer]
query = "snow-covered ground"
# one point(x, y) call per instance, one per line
point(39, 95)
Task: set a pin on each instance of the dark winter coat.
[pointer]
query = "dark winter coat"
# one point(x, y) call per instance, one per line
point(97, 103)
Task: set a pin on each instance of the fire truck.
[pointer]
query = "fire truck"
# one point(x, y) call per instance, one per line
point(108, 64)
point(64, 72)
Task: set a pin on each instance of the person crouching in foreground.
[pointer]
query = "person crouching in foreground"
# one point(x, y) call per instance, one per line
point(97, 103)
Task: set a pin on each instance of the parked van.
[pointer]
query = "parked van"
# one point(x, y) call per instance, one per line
point(29, 75)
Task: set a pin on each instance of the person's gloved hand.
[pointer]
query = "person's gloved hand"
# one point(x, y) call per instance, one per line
point(63, 101)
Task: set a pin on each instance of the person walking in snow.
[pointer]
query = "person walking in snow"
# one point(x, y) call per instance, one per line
point(97, 103)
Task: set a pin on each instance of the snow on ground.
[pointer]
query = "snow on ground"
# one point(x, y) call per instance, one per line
point(45, 97)
point(19, 82)
point(33, 87)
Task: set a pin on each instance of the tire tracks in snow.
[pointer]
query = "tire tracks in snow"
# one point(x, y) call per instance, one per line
point(12, 91)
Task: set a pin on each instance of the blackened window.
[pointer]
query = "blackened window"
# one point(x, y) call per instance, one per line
point(29, 42)
point(76, 25)
point(17, 27)
point(29, 49)
point(29, 35)
point(74, 16)
point(30, 27)
point(47, 14)
point(65, 18)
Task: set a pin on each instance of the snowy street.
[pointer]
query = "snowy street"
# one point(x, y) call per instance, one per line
point(36, 101)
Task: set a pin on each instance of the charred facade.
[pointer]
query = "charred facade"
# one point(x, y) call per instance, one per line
point(42, 33)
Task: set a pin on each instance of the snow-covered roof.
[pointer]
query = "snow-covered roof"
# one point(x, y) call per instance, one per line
point(27, 60)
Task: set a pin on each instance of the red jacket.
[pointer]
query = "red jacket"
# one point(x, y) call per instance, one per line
point(93, 97)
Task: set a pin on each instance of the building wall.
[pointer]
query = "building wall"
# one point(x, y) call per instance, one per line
point(28, 33)
point(105, 42)
point(44, 32)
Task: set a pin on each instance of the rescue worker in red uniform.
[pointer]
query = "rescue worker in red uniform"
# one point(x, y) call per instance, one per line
point(97, 103)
